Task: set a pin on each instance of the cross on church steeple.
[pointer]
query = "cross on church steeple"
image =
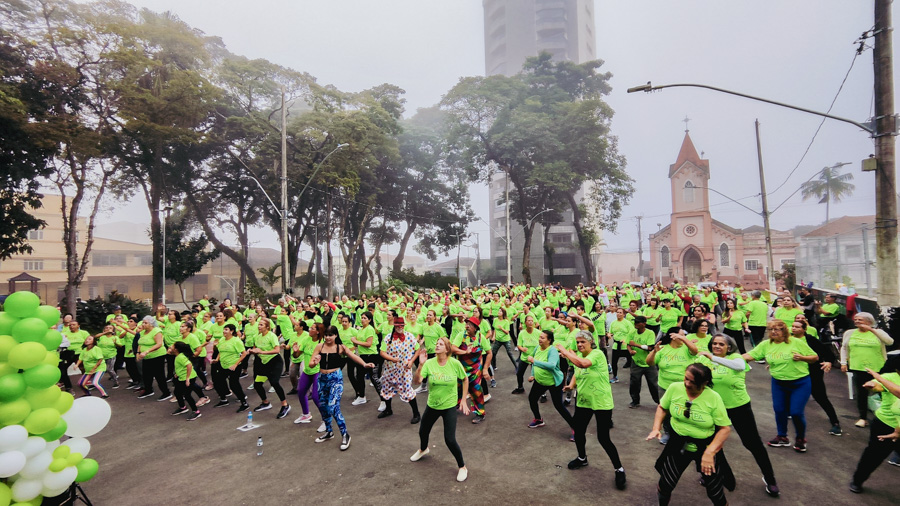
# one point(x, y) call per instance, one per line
point(686, 120)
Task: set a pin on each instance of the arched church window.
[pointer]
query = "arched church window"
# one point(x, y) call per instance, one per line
point(664, 256)
point(724, 261)
point(689, 191)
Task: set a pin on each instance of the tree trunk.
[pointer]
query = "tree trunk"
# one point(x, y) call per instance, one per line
point(548, 252)
point(398, 260)
point(526, 253)
point(329, 256)
point(583, 244)
point(236, 256)
point(378, 265)
point(359, 278)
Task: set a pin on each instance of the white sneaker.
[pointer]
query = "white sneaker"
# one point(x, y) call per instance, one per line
point(462, 474)
point(321, 428)
point(303, 419)
point(419, 454)
point(422, 388)
point(271, 390)
point(359, 400)
point(487, 397)
point(382, 407)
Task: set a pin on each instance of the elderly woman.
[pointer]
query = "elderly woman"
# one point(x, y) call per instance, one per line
point(864, 347)
point(399, 351)
point(153, 354)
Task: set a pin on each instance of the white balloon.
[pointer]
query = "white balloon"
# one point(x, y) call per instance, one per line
point(46, 492)
point(79, 445)
point(12, 437)
point(33, 446)
point(52, 445)
point(61, 479)
point(37, 466)
point(26, 490)
point(11, 463)
point(87, 416)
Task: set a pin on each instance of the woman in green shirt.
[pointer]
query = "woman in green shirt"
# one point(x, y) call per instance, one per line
point(788, 311)
point(185, 377)
point(528, 341)
point(700, 426)
point(269, 365)
point(225, 367)
point(885, 431)
point(501, 338)
point(671, 354)
point(446, 374)
point(862, 347)
point(94, 367)
point(735, 324)
point(594, 400)
point(366, 342)
point(547, 376)
point(153, 354)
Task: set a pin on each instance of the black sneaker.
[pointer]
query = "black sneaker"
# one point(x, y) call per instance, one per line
point(856, 489)
point(180, 411)
point(325, 437)
point(263, 407)
point(195, 415)
point(519, 390)
point(620, 479)
point(222, 402)
point(634, 405)
point(478, 419)
point(544, 398)
point(144, 394)
point(836, 430)
point(771, 489)
point(386, 413)
point(244, 375)
point(578, 462)
point(415, 419)
point(283, 412)
point(164, 397)
point(345, 442)
point(243, 407)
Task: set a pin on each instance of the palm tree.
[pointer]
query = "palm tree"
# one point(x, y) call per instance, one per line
point(830, 185)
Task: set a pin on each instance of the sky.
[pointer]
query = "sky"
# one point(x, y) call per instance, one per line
point(797, 52)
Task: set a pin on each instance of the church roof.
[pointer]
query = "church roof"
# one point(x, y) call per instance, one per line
point(688, 153)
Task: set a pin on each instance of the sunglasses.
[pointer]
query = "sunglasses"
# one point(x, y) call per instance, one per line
point(687, 408)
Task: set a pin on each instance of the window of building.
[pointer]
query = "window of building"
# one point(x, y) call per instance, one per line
point(751, 265)
point(689, 191)
point(787, 261)
point(63, 265)
point(724, 259)
point(34, 265)
point(664, 256)
point(147, 286)
point(107, 258)
point(561, 238)
point(853, 251)
point(35, 235)
point(143, 259)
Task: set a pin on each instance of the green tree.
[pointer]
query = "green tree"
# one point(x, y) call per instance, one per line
point(268, 275)
point(830, 186)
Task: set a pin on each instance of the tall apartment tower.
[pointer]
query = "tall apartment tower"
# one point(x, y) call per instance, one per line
point(513, 31)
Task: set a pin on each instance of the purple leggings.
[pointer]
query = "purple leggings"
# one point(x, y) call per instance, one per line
point(304, 385)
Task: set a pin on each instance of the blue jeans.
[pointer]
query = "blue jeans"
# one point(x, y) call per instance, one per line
point(790, 397)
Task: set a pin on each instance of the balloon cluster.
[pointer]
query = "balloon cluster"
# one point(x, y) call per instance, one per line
point(35, 413)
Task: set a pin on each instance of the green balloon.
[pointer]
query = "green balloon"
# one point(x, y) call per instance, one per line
point(87, 469)
point(49, 314)
point(57, 432)
point(52, 339)
point(5, 494)
point(5, 369)
point(29, 330)
point(60, 452)
point(64, 403)
point(12, 386)
point(51, 358)
point(42, 420)
point(73, 459)
point(14, 412)
point(42, 376)
point(6, 323)
point(43, 397)
point(58, 465)
point(21, 304)
point(7, 343)
point(26, 355)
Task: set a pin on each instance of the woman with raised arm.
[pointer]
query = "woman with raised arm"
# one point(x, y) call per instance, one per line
point(885, 432)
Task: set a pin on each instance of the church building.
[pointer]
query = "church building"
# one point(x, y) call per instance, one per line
point(694, 247)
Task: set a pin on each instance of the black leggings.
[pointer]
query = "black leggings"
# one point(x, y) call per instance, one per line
point(183, 393)
point(357, 375)
point(154, 368)
point(374, 373)
point(875, 452)
point(133, 371)
point(225, 380)
point(272, 371)
point(521, 367)
point(580, 423)
point(616, 355)
point(672, 463)
point(862, 394)
point(745, 425)
point(199, 364)
point(537, 390)
point(738, 337)
point(67, 358)
point(817, 376)
point(430, 416)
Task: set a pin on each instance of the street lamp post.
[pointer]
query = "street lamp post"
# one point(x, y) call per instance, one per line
point(167, 210)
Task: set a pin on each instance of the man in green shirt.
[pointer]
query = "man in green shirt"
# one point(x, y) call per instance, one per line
point(642, 341)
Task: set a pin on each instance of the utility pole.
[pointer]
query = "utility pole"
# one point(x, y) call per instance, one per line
point(885, 176)
point(508, 246)
point(640, 272)
point(285, 268)
point(765, 212)
point(477, 259)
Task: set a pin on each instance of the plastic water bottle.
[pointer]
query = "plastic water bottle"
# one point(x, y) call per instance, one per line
point(259, 446)
point(249, 418)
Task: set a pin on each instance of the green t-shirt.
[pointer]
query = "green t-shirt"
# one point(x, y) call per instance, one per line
point(621, 333)
point(759, 311)
point(148, 340)
point(230, 351)
point(727, 382)
point(647, 338)
point(216, 330)
point(547, 376)
point(194, 342)
point(864, 351)
point(126, 340)
point(780, 357)
point(90, 357)
point(701, 343)
point(787, 315)
point(887, 413)
point(594, 391)
point(668, 318)
point(432, 333)
point(501, 330)
point(442, 382)
point(171, 332)
point(181, 363)
point(707, 411)
point(529, 340)
point(672, 363)
point(307, 347)
point(298, 340)
point(76, 339)
point(736, 322)
point(266, 342)
point(107, 345)
point(830, 310)
point(364, 334)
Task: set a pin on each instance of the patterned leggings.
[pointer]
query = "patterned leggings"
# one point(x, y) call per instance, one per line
point(331, 387)
point(97, 376)
point(472, 365)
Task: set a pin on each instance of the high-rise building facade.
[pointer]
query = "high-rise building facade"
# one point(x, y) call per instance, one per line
point(513, 31)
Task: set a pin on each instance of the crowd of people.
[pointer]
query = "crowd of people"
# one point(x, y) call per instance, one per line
point(685, 343)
